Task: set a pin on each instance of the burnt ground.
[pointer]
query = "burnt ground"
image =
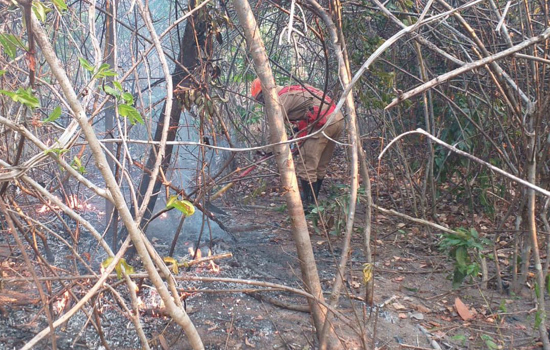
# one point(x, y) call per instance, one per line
point(413, 293)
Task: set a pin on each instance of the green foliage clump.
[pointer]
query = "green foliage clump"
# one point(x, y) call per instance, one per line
point(465, 250)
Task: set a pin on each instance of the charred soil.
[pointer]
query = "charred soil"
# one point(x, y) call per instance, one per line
point(415, 304)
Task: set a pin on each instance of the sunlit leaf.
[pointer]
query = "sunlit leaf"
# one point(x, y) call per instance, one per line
point(105, 71)
point(128, 98)
point(173, 263)
point(86, 65)
point(77, 165)
point(130, 112)
point(56, 113)
point(58, 151)
point(60, 4)
point(23, 96)
point(9, 48)
point(117, 85)
point(110, 91)
point(106, 262)
point(184, 206)
point(128, 269)
point(367, 273)
point(40, 10)
point(10, 43)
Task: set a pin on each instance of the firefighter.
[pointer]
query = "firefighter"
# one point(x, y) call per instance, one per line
point(307, 109)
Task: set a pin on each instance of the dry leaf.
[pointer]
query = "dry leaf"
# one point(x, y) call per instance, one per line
point(402, 316)
point(421, 308)
point(462, 310)
point(249, 343)
point(398, 306)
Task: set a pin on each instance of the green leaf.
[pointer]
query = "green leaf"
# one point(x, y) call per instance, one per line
point(118, 85)
point(459, 337)
point(86, 65)
point(2, 72)
point(60, 4)
point(40, 10)
point(489, 342)
point(77, 165)
point(8, 93)
point(105, 71)
point(537, 290)
point(173, 262)
point(9, 48)
point(461, 256)
point(26, 97)
point(10, 43)
point(128, 98)
point(58, 151)
point(184, 206)
point(104, 66)
point(56, 113)
point(110, 91)
point(23, 96)
point(131, 113)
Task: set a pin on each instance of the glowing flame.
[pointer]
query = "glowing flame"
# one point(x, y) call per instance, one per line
point(43, 209)
point(60, 304)
point(213, 266)
point(72, 202)
point(192, 253)
point(141, 304)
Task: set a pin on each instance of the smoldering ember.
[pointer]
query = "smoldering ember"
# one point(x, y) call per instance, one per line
point(274, 174)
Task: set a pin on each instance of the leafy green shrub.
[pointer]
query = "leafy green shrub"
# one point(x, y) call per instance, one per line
point(465, 250)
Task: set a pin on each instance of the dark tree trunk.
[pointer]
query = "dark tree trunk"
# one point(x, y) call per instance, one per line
point(194, 37)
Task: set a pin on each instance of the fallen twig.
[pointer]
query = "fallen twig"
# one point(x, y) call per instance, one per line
point(205, 259)
point(280, 303)
point(419, 221)
point(433, 343)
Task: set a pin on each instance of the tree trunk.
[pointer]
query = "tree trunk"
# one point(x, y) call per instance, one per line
point(285, 165)
point(532, 228)
point(111, 217)
point(338, 45)
point(187, 59)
